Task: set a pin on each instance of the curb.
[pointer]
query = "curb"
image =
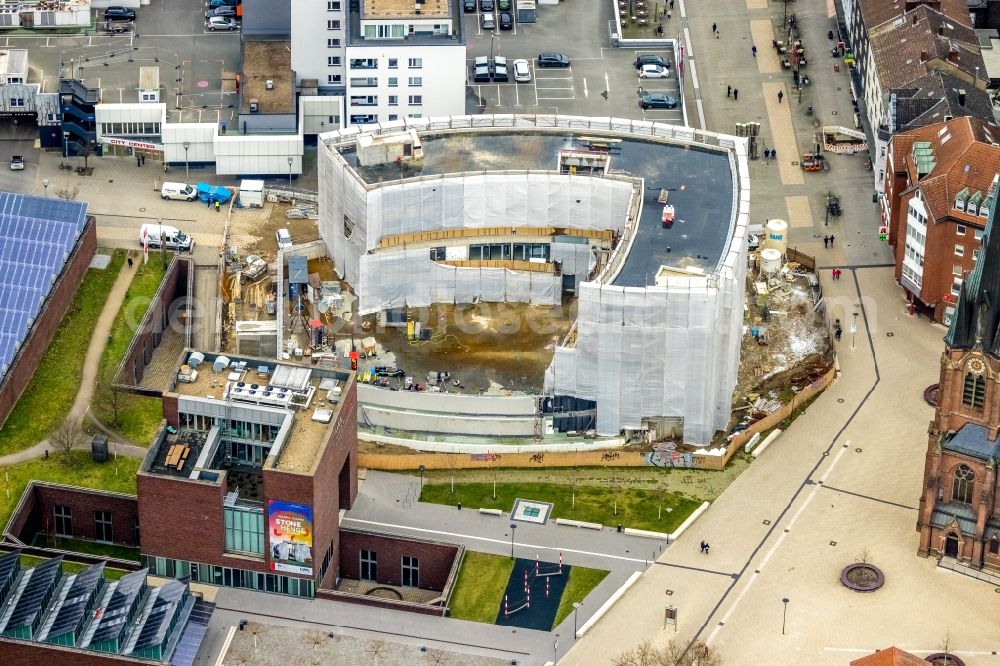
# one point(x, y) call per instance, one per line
point(690, 521)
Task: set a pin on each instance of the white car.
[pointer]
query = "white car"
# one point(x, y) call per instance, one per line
point(522, 71)
point(284, 239)
point(654, 72)
point(221, 23)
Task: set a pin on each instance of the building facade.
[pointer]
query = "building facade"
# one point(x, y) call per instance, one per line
point(943, 181)
point(959, 513)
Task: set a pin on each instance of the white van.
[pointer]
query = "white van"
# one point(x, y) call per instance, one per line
point(284, 239)
point(178, 191)
point(173, 238)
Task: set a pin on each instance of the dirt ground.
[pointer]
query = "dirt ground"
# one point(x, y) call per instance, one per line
point(483, 346)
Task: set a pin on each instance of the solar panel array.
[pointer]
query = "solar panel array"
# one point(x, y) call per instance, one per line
point(37, 236)
point(190, 641)
point(115, 615)
point(168, 599)
point(77, 600)
point(36, 594)
point(10, 564)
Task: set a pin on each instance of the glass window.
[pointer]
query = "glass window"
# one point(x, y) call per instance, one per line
point(411, 572)
point(333, 61)
point(956, 269)
point(369, 565)
point(333, 78)
point(333, 24)
point(333, 6)
point(244, 530)
point(393, 100)
point(959, 250)
point(962, 486)
point(393, 81)
point(102, 526)
point(416, 100)
point(393, 63)
point(415, 63)
point(995, 545)
point(960, 229)
point(416, 81)
point(63, 521)
point(973, 391)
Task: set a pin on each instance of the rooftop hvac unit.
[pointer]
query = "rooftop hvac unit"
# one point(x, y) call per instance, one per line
point(269, 84)
point(254, 106)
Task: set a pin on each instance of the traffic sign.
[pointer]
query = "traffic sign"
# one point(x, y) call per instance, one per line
point(854, 327)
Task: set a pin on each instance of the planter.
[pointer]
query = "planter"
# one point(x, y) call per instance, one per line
point(862, 577)
point(942, 659)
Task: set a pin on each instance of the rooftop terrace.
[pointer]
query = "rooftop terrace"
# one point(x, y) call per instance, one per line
point(699, 180)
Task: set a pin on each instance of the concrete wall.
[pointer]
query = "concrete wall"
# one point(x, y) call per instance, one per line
point(155, 322)
point(37, 341)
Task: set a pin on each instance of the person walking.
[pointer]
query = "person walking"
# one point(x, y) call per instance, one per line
point(729, 91)
point(826, 241)
point(142, 159)
point(703, 545)
point(217, 207)
point(736, 94)
point(138, 161)
point(130, 261)
point(831, 240)
point(671, 4)
point(753, 49)
point(781, 94)
point(715, 28)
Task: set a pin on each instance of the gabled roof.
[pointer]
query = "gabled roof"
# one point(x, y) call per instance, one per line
point(937, 96)
point(892, 656)
point(923, 40)
point(973, 440)
point(966, 154)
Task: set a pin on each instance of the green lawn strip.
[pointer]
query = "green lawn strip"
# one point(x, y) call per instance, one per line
point(479, 590)
point(140, 418)
point(80, 472)
point(637, 508)
point(72, 567)
point(145, 282)
point(581, 581)
point(87, 547)
point(49, 395)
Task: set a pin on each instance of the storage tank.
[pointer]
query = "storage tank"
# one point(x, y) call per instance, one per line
point(770, 261)
point(776, 235)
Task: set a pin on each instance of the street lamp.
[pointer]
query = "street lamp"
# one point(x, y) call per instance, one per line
point(576, 608)
point(187, 171)
point(512, 528)
point(45, 184)
point(289, 173)
point(421, 468)
point(854, 329)
point(555, 650)
point(65, 144)
point(784, 615)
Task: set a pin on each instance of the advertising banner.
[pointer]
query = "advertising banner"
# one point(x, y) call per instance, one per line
point(290, 537)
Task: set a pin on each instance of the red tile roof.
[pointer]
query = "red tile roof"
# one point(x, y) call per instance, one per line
point(892, 656)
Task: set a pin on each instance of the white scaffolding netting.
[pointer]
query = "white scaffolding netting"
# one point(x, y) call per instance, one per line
point(410, 278)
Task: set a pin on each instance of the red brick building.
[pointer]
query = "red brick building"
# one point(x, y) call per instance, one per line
point(940, 190)
point(959, 513)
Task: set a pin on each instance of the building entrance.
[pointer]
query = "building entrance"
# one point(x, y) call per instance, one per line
point(951, 546)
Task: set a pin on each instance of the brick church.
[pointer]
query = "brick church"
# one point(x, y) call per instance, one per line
point(960, 505)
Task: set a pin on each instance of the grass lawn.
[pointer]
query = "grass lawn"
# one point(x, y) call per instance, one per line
point(49, 396)
point(72, 567)
point(479, 590)
point(80, 472)
point(87, 547)
point(140, 416)
point(581, 581)
point(637, 508)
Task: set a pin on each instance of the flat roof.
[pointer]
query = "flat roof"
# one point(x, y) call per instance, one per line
point(37, 237)
point(699, 180)
point(305, 439)
point(265, 61)
point(385, 9)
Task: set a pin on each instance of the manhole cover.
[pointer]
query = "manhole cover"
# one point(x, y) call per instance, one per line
point(142, 210)
point(840, 400)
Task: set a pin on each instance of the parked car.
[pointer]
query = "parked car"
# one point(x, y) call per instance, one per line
point(222, 23)
point(16, 162)
point(499, 71)
point(486, 20)
point(119, 14)
point(553, 59)
point(506, 21)
point(503, 5)
point(486, 5)
point(229, 12)
point(469, 6)
point(284, 238)
point(223, 3)
point(651, 59)
point(654, 72)
point(657, 101)
point(179, 191)
point(522, 71)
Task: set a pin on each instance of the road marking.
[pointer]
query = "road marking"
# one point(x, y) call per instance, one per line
point(502, 541)
point(607, 83)
point(777, 544)
point(585, 94)
point(499, 98)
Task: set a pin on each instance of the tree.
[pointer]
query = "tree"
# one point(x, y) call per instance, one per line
point(671, 654)
point(66, 437)
point(376, 648)
point(111, 399)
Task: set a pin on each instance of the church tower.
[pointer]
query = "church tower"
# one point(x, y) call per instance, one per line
point(959, 514)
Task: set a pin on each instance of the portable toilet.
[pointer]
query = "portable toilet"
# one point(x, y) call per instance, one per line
point(252, 193)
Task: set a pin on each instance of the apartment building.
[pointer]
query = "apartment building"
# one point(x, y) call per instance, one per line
point(391, 59)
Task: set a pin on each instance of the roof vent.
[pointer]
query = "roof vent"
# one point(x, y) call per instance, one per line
point(961, 97)
point(269, 84)
point(254, 106)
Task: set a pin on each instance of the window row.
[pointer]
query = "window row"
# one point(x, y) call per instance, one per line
point(392, 81)
point(509, 251)
point(400, 30)
point(393, 63)
point(130, 129)
point(244, 530)
point(63, 524)
point(229, 577)
point(372, 100)
point(409, 568)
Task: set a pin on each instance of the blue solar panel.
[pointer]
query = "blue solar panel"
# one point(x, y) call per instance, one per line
point(194, 631)
point(37, 236)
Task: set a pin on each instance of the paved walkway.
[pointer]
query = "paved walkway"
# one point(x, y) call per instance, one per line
point(88, 379)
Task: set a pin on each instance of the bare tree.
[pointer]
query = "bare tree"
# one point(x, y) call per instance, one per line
point(452, 464)
point(438, 657)
point(69, 192)
point(316, 637)
point(662, 497)
point(574, 477)
point(376, 648)
point(66, 437)
point(111, 399)
point(671, 654)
